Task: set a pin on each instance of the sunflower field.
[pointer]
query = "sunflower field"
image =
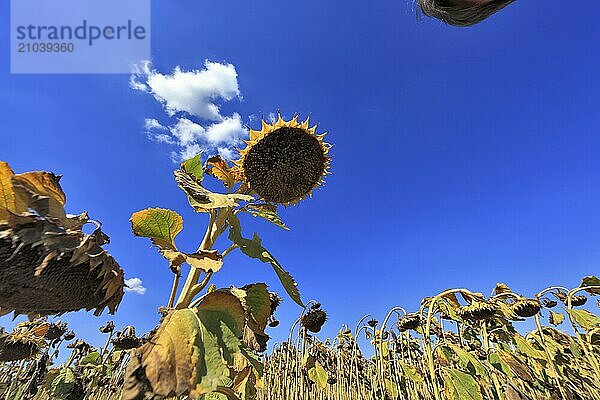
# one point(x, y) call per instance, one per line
point(212, 343)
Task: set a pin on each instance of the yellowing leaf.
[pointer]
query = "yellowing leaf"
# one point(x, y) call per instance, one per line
point(43, 184)
point(526, 348)
point(556, 318)
point(220, 170)
point(411, 372)
point(159, 225)
point(469, 361)
point(318, 375)
point(391, 389)
point(8, 199)
point(460, 386)
point(207, 261)
point(584, 318)
point(203, 263)
point(190, 352)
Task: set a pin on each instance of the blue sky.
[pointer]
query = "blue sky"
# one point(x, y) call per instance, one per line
point(462, 157)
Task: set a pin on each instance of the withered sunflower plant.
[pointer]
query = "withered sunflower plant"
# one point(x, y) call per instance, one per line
point(48, 264)
point(209, 340)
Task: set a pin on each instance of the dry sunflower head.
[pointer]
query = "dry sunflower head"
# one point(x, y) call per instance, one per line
point(285, 161)
point(372, 322)
point(410, 321)
point(478, 310)
point(578, 300)
point(108, 327)
point(126, 339)
point(80, 345)
point(314, 320)
point(49, 270)
point(48, 265)
point(23, 343)
point(526, 308)
point(549, 303)
point(55, 330)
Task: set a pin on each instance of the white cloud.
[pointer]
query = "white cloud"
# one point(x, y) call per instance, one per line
point(135, 285)
point(193, 96)
point(229, 131)
point(152, 123)
point(157, 132)
point(227, 154)
point(187, 132)
point(194, 92)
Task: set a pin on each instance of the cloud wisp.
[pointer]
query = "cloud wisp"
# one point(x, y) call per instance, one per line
point(191, 101)
point(135, 285)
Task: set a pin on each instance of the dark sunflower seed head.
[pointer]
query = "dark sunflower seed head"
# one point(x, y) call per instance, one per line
point(314, 320)
point(285, 165)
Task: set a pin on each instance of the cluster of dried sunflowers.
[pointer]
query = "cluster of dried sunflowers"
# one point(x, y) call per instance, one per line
point(48, 264)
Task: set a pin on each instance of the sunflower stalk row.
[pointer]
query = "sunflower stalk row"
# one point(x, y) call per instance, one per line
point(389, 360)
point(472, 348)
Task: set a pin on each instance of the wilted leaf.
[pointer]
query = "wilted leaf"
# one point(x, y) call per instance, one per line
point(471, 297)
point(556, 318)
point(244, 384)
point(8, 199)
point(526, 348)
point(44, 184)
point(193, 166)
point(460, 386)
point(501, 288)
point(469, 361)
point(190, 352)
point(512, 393)
point(508, 312)
point(256, 301)
point(584, 318)
point(519, 369)
point(265, 212)
point(392, 389)
point(203, 200)
point(207, 261)
point(93, 358)
point(220, 170)
point(591, 281)
point(318, 375)
point(159, 225)
point(498, 363)
point(254, 249)
point(411, 372)
point(63, 384)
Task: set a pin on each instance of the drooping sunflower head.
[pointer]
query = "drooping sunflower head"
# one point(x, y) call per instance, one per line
point(478, 310)
point(23, 343)
point(284, 161)
point(410, 321)
point(526, 308)
point(314, 320)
